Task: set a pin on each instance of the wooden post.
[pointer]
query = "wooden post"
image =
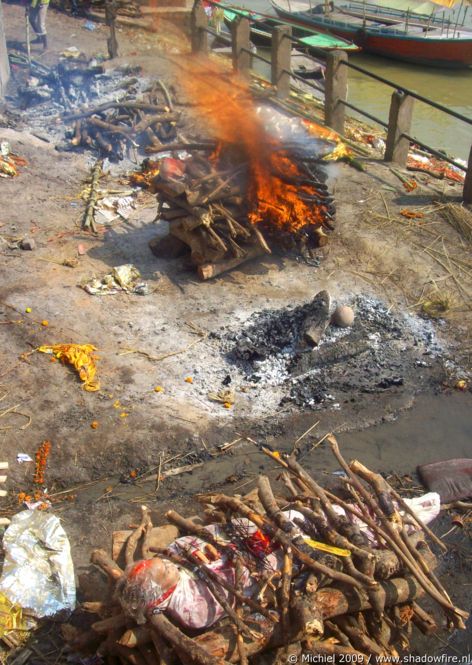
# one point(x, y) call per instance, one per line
point(399, 123)
point(467, 194)
point(335, 90)
point(4, 64)
point(110, 16)
point(199, 23)
point(281, 51)
point(241, 45)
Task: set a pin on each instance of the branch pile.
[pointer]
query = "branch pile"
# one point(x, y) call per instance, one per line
point(115, 127)
point(342, 586)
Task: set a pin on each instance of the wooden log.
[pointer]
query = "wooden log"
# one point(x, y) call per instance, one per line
point(110, 127)
point(331, 601)
point(148, 652)
point(95, 607)
point(317, 321)
point(76, 139)
point(113, 105)
point(239, 573)
point(111, 623)
point(134, 637)
point(423, 620)
point(193, 652)
point(358, 637)
point(134, 538)
point(131, 656)
point(166, 655)
point(102, 143)
point(101, 559)
point(210, 270)
point(170, 147)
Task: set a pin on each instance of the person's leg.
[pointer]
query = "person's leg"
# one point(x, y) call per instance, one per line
point(33, 18)
point(42, 32)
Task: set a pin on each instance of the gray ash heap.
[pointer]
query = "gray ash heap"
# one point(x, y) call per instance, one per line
point(380, 351)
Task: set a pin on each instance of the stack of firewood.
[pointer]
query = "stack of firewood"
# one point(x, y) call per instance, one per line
point(339, 592)
point(208, 208)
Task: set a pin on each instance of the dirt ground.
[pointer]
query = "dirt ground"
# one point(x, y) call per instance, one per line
point(374, 253)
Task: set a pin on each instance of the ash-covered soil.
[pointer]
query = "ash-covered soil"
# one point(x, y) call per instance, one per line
point(271, 367)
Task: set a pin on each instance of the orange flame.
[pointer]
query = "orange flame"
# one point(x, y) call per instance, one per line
point(225, 105)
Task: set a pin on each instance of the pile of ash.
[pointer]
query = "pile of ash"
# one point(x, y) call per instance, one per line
point(80, 103)
point(380, 351)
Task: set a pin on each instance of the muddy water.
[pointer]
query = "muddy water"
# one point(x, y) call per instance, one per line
point(448, 87)
point(437, 427)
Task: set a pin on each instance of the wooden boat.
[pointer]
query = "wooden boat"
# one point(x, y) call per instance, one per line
point(422, 42)
point(262, 26)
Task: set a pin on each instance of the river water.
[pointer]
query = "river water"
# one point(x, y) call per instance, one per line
point(453, 88)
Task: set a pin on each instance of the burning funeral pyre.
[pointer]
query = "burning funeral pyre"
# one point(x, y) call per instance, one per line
point(252, 190)
point(305, 572)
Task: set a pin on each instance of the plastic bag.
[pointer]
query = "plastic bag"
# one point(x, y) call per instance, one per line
point(38, 573)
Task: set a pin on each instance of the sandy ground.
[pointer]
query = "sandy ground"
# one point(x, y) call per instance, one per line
point(374, 252)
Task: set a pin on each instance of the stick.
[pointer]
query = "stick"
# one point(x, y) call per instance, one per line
point(183, 644)
point(166, 94)
point(239, 571)
point(148, 525)
point(284, 592)
point(109, 624)
point(113, 105)
point(88, 221)
point(132, 542)
point(170, 147)
point(101, 559)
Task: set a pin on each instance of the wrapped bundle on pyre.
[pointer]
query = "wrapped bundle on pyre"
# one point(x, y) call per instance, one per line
point(250, 192)
point(307, 572)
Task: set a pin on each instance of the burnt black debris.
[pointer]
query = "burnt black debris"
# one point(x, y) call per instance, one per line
point(381, 351)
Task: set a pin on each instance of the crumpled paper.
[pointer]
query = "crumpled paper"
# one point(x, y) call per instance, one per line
point(38, 573)
point(122, 278)
point(111, 208)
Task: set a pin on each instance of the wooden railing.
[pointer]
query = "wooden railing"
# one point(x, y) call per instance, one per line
point(336, 101)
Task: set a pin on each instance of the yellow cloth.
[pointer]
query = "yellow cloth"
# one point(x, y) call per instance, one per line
point(80, 356)
point(35, 3)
